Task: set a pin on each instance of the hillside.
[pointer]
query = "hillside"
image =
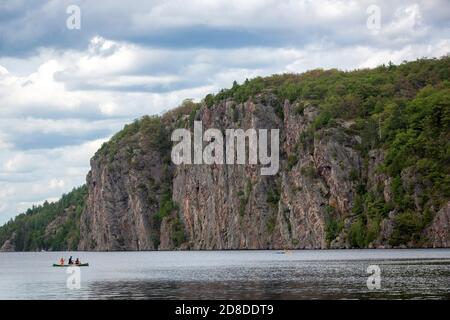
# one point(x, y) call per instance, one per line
point(53, 226)
point(365, 162)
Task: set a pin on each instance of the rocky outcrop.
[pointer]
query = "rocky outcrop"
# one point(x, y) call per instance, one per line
point(8, 245)
point(225, 206)
point(438, 233)
point(124, 194)
point(234, 206)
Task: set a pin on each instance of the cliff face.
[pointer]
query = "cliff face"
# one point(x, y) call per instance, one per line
point(125, 186)
point(438, 232)
point(118, 208)
point(225, 206)
point(364, 163)
point(8, 245)
point(308, 204)
point(233, 206)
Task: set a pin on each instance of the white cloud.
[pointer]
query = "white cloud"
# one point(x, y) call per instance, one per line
point(56, 184)
point(3, 71)
point(282, 14)
point(28, 178)
point(22, 162)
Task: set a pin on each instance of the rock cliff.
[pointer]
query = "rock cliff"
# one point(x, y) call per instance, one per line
point(363, 164)
point(308, 204)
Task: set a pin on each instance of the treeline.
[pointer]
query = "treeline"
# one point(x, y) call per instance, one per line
point(50, 226)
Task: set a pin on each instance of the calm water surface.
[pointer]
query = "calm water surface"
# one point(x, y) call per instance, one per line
point(305, 274)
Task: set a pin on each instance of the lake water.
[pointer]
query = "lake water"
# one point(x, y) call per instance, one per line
point(303, 274)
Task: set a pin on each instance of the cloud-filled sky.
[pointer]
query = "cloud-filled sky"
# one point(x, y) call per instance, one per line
point(63, 92)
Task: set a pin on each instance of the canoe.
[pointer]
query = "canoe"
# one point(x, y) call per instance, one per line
point(71, 265)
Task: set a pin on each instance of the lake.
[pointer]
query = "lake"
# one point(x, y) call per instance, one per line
point(299, 274)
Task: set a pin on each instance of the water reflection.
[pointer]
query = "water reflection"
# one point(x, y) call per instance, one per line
point(306, 280)
point(405, 274)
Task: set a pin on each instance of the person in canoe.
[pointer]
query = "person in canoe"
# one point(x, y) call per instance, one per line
point(77, 262)
point(70, 260)
point(61, 261)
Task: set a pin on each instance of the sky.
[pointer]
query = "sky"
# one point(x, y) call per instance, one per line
point(65, 90)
